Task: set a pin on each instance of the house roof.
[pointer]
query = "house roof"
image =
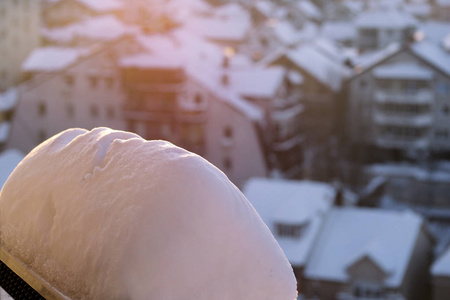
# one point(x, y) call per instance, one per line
point(219, 29)
point(51, 59)
point(98, 5)
point(104, 27)
point(338, 30)
point(427, 51)
point(441, 267)
point(286, 201)
point(326, 70)
point(391, 18)
point(310, 10)
point(387, 237)
point(286, 33)
point(435, 31)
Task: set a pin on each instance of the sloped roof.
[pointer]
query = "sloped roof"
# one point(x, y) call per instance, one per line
point(287, 201)
point(388, 237)
point(385, 19)
point(50, 59)
point(441, 267)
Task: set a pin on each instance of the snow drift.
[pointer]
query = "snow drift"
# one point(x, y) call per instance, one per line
point(104, 214)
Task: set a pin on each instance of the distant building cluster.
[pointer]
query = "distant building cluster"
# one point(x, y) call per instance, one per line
point(353, 93)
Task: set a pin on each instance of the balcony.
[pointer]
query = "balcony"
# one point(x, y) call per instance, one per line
point(424, 96)
point(401, 142)
point(418, 120)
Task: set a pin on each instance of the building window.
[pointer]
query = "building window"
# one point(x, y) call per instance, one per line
point(443, 88)
point(228, 132)
point(41, 109)
point(290, 230)
point(69, 80)
point(70, 110)
point(111, 113)
point(441, 134)
point(93, 81)
point(110, 82)
point(42, 135)
point(445, 110)
point(94, 111)
point(198, 99)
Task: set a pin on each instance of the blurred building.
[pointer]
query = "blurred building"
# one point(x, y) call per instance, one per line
point(440, 272)
point(20, 22)
point(398, 102)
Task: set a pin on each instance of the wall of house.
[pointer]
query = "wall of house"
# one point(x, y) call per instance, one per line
point(19, 35)
point(240, 155)
point(323, 290)
point(64, 12)
point(416, 279)
point(88, 95)
point(440, 288)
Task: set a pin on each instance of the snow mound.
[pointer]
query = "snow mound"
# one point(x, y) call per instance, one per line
point(104, 214)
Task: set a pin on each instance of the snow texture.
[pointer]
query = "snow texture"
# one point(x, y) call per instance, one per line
point(403, 70)
point(8, 99)
point(107, 215)
point(4, 295)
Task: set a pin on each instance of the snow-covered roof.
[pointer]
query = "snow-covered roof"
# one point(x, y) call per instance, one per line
point(286, 201)
point(219, 29)
point(9, 159)
point(103, 5)
point(444, 3)
point(385, 19)
point(441, 267)
point(435, 31)
point(372, 58)
point(309, 31)
point(421, 10)
point(310, 10)
point(256, 82)
point(51, 59)
point(338, 31)
point(8, 99)
point(433, 54)
point(324, 69)
point(265, 7)
point(386, 237)
point(232, 11)
point(403, 70)
point(99, 28)
point(286, 33)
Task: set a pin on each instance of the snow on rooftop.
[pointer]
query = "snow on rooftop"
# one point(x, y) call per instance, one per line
point(8, 99)
point(232, 11)
point(435, 31)
point(310, 10)
point(5, 128)
point(420, 10)
point(103, 5)
point(9, 159)
point(441, 267)
point(433, 54)
point(371, 58)
point(325, 70)
point(51, 59)
point(99, 28)
point(266, 8)
point(338, 31)
point(219, 29)
point(385, 19)
point(387, 237)
point(285, 201)
point(286, 33)
point(84, 212)
point(403, 70)
point(444, 3)
point(256, 82)
point(4, 295)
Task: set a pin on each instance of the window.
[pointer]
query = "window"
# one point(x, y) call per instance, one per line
point(109, 82)
point(70, 110)
point(198, 99)
point(41, 109)
point(228, 132)
point(443, 89)
point(94, 110)
point(445, 110)
point(441, 134)
point(290, 230)
point(69, 80)
point(110, 112)
point(93, 81)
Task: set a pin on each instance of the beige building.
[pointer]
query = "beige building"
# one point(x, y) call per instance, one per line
point(19, 35)
point(69, 87)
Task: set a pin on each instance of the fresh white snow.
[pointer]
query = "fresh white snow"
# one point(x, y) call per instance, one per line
point(9, 159)
point(107, 215)
point(51, 59)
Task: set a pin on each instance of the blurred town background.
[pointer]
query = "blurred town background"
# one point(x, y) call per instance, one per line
point(333, 117)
